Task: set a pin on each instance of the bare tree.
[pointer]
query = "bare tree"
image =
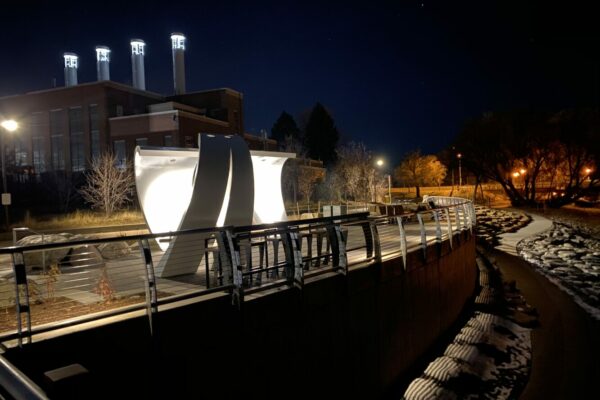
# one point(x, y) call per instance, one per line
point(356, 171)
point(307, 179)
point(417, 170)
point(291, 169)
point(108, 187)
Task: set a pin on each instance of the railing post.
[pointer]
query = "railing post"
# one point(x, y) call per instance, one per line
point(402, 240)
point(466, 217)
point(423, 234)
point(376, 242)
point(229, 256)
point(457, 218)
point(438, 228)
point(21, 290)
point(366, 227)
point(339, 259)
point(294, 270)
point(449, 225)
point(151, 292)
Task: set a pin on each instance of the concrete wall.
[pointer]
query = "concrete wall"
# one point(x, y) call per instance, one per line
point(340, 336)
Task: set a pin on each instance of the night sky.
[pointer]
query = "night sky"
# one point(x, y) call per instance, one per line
point(396, 75)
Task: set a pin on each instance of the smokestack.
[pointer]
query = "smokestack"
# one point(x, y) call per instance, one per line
point(102, 63)
point(178, 42)
point(137, 64)
point(71, 61)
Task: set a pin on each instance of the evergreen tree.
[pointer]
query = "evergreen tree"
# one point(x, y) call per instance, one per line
point(321, 135)
point(284, 127)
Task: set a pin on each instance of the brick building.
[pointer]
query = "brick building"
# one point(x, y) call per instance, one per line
point(62, 129)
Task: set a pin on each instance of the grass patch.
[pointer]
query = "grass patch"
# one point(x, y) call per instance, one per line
point(82, 219)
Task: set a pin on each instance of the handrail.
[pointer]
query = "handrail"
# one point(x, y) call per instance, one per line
point(17, 384)
point(240, 258)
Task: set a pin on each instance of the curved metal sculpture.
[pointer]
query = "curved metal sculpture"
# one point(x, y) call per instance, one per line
point(221, 183)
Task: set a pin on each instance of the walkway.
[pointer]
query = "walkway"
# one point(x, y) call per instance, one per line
point(508, 241)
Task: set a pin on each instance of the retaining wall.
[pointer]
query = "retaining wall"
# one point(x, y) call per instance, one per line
point(340, 335)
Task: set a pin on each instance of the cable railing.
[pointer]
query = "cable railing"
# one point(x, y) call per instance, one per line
point(50, 285)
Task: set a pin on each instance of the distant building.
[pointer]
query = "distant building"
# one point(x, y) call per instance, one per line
point(62, 129)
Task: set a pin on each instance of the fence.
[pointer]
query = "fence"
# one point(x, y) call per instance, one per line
point(61, 282)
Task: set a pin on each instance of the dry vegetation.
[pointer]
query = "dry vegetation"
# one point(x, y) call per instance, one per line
point(83, 219)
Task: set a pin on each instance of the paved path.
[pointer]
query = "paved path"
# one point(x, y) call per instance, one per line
point(508, 241)
point(566, 345)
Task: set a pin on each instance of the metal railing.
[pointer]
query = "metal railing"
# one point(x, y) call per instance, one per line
point(51, 285)
point(17, 384)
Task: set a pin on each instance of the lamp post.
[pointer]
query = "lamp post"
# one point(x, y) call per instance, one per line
point(389, 177)
point(380, 164)
point(587, 171)
point(459, 156)
point(10, 125)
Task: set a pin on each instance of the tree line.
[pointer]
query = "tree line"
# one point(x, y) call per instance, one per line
point(534, 156)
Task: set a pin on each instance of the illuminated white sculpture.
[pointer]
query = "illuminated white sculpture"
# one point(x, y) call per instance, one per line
point(221, 183)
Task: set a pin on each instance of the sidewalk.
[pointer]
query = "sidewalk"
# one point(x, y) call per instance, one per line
point(508, 241)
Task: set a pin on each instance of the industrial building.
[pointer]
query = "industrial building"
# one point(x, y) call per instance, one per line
point(63, 128)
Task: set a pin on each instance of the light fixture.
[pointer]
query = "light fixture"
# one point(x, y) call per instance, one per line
point(10, 125)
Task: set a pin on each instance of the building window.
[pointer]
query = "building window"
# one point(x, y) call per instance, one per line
point(94, 131)
point(76, 137)
point(39, 154)
point(58, 154)
point(141, 141)
point(21, 151)
point(56, 140)
point(120, 153)
point(119, 110)
point(168, 140)
point(38, 142)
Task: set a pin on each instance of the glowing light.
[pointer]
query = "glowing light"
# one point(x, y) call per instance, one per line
point(516, 174)
point(268, 201)
point(137, 46)
point(102, 53)
point(379, 162)
point(459, 155)
point(178, 41)
point(522, 171)
point(588, 171)
point(10, 125)
point(70, 60)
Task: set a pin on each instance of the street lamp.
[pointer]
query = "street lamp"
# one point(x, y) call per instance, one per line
point(380, 163)
point(10, 125)
point(389, 188)
point(459, 156)
point(587, 171)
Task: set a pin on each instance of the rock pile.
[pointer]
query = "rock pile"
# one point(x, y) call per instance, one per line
point(69, 253)
point(493, 222)
point(570, 258)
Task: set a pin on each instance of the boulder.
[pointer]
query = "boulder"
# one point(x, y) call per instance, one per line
point(39, 258)
point(60, 255)
point(112, 250)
